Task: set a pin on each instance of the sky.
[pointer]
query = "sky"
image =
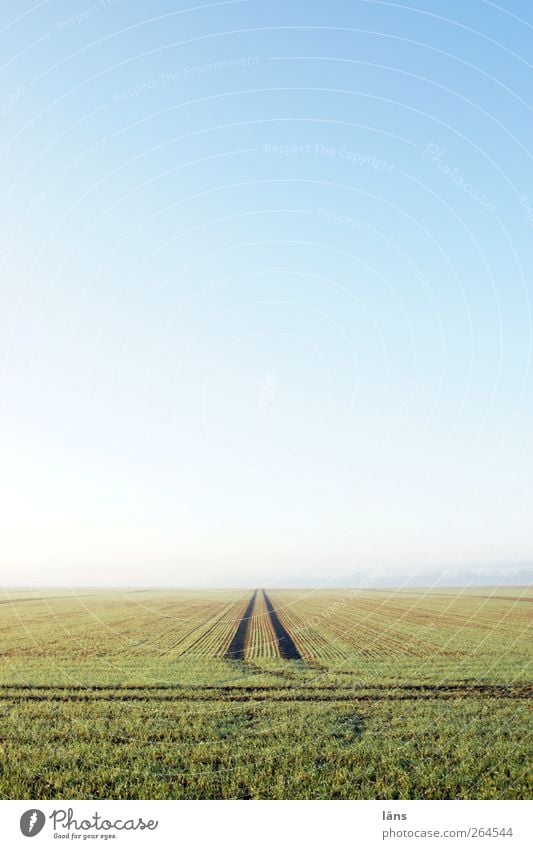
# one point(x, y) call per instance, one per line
point(265, 292)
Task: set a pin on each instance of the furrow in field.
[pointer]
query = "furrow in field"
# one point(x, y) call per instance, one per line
point(237, 647)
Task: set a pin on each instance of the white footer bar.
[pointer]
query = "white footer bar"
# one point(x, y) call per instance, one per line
point(267, 825)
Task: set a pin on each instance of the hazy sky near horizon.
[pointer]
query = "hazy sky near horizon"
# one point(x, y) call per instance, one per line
point(265, 290)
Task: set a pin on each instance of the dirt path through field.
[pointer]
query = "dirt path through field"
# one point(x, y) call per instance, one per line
point(237, 647)
point(286, 644)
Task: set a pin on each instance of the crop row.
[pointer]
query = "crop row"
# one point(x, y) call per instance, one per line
point(340, 629)
point(215, 640)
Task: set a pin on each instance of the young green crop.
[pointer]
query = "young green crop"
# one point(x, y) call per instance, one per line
point(397, 695)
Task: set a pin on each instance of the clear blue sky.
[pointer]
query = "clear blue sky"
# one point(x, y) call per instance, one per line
point(265, 291)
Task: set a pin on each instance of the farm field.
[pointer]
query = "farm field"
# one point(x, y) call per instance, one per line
point(265, 694)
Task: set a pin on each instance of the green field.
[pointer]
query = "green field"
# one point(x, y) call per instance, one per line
point(290, 694)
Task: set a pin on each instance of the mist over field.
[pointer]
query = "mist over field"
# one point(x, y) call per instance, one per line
point(266, 293)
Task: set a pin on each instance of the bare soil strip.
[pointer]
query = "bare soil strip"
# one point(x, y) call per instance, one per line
point(286, 644)
point(237, 647)
point(215, 624)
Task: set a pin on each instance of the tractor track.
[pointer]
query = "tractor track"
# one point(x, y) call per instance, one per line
point(271, 695)
point(237, 647)
point(286, 645)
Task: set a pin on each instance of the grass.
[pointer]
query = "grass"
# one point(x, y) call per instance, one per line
point(396, 695)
